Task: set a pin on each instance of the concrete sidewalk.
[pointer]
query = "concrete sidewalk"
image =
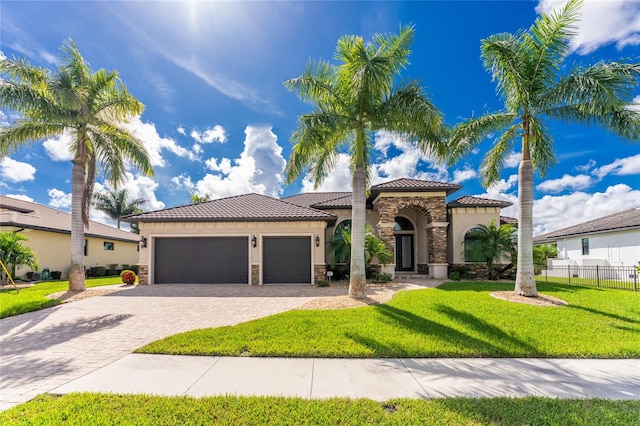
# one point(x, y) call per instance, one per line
point(379, 379)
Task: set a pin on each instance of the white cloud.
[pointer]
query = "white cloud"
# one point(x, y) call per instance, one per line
point(59, 199)
point(556, 212)
point(20, 197)
point(620, 167)
point(57, 148)
point(4, 120)
point(259, 169)
point(601, 23)
point(156, 144)
point(574, 183)
point(505, 190)
point(338, 180)
point(16, 171)
point(139, 186)
point(512, 160)
point(212, 134)
point(462, 175)
point(2, 56)
point(183, 181)
point(182, 131)
point(586, 167)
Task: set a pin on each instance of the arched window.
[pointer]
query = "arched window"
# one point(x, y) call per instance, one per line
point(471, 243)
point(341, 250)
point(342, 225)
point(402, 224)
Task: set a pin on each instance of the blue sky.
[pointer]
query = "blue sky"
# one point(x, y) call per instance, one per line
point(218, 119)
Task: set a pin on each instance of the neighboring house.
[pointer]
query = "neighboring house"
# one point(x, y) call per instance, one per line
point(612, 240)
point(255, 239)
point(49, 233)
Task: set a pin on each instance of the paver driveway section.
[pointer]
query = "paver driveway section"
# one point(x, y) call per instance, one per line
point(42, 350)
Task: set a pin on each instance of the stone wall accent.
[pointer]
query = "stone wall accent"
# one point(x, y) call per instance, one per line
point(143, 274)
point(423, 268)
point(437, 244)
point(480, 271)
point(255, 274)
point(319, 272)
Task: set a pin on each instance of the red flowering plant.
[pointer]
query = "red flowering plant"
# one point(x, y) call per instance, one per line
point(128, 277)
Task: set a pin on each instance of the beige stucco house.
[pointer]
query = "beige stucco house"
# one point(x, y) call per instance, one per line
point(255, 239)
point(49, 234)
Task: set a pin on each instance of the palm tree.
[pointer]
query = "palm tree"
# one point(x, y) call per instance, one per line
point(115, 205)
point(527, 67)
point(88, 106)
point(492, 243)
point(13, 254)
point(351, 101)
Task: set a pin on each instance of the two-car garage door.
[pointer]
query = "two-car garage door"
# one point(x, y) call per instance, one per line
point(225, 260)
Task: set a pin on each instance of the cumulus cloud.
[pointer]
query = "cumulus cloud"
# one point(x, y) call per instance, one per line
point(512, 160)
point(183, 181)
point(601, 23)
point(16, 171)
point(462, 175)
point(584, 168)
point(338, 180)
point(155, 143)
point(620, 167)
point(4, 120)
point(182, 131)
point(57, 148)
point(59, 199)
point(20, 197)
point(551, 213)
point(259, 169)
point(574, 183)
point(212, 134)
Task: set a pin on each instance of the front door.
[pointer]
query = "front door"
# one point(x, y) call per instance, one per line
point(404, 252)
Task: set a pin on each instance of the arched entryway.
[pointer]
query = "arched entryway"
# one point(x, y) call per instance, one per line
point(404, 235)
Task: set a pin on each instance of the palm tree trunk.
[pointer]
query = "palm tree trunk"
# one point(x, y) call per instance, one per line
point(76, 273)
point(525, 280)
point(357, 273)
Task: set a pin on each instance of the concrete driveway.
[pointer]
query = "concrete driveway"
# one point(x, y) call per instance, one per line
point(42, 350)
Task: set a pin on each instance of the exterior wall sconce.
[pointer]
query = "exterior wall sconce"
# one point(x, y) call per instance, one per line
point(317, 241)
point(254, 241)
point(143, 242)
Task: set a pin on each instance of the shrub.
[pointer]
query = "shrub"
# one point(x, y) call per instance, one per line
point(134, 268)
point(56, 275)
point(128, 276)
point(383, 278)
point(112, 269)
point(322, 283)
point(454, 275)
point(98, 271)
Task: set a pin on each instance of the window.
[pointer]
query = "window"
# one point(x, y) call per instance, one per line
point(402, 224)
point(585, 247)
point(471, 242)
point(86, 247)
point(108, 245)
point(341, 251)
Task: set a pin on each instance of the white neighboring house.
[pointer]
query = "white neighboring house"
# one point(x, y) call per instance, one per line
point(612, 240)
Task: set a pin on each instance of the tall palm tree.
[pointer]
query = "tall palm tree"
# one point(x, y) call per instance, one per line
point(528, 70)
point(351, 101)
point(492, 243)
point(114, 203)
point(89, 106)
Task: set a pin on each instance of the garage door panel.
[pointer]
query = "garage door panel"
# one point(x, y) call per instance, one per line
point(202, 260)
point(286, 260)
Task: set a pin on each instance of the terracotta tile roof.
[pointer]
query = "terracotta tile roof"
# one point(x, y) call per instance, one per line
point(508, 220)
point(627, 219)
point(406, 184)
point(243, 208)
point(20, 213)
point(478, 202)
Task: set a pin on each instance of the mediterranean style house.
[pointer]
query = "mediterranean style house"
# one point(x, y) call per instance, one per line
point(612, 240)
point(49, 234)
point(255, 239)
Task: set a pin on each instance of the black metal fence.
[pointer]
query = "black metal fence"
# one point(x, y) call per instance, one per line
point(617, 277)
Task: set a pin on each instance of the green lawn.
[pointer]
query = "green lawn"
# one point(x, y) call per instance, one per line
point(454, 320)
point(102, 409)
point(34, 298)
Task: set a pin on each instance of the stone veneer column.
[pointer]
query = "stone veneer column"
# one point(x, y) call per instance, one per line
point(319, 272)
point(255, 274)
point(143, 274)
point(437, 241)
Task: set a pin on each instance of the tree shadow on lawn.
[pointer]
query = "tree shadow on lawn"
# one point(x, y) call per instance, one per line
point(467, 345)
point(606, 314)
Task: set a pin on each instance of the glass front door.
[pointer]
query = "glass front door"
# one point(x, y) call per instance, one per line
point(404, 252)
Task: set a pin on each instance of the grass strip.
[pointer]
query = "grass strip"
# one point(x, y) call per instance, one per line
point(110, 409)
point(454, 320)
point(35, 297)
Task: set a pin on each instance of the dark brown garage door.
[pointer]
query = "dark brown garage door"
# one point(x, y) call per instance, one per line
point(286, 260)
point(199, 260)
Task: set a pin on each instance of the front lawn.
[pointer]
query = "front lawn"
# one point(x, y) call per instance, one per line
point(454, 320)
point(101, 409)
point(34, 298)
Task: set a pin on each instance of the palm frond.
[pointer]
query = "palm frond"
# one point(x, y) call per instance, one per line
point(24, 132)
point(504, 59)
point(541, 146)
point(466, 135)
point(494, 159)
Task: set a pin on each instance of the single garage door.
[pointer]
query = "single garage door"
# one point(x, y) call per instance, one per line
point(286, 260)
point(202, 260)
